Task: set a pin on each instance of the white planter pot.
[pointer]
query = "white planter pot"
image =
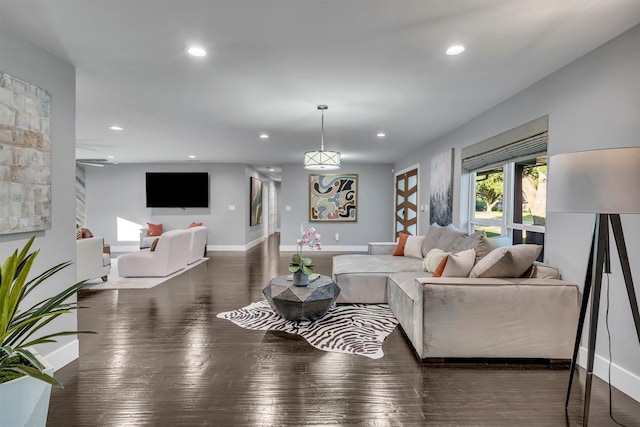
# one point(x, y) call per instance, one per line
point(25, 401)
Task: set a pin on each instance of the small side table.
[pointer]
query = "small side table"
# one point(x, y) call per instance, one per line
point(301, 302)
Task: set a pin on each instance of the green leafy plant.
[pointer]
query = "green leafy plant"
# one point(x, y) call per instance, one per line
point(298, 262)
point(17, 327)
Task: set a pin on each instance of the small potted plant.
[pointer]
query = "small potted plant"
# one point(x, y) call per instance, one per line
point(302, 267)
point(25, 377)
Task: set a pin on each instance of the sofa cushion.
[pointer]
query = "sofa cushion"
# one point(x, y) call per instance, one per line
point(433, 258)
point(539, 270)
point(431, 238)
point(195, 224)
point(402, 241)
point(511, 261)
point(479, 242)
point(456, 265)
point(413, 247)
point(450, 239)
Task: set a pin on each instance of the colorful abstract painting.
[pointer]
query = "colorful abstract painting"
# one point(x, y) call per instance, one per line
point(441, 200)
point(25, 156)
point(333, 197)
point(255, 214)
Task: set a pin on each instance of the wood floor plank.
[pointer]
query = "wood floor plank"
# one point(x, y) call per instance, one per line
point(162, 358)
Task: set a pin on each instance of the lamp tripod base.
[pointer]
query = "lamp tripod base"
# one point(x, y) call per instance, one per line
point(599, 261)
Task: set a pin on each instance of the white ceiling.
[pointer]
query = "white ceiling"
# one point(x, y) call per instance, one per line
point(378, 65)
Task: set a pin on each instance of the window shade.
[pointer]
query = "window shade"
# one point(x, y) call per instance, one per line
point(529, 138)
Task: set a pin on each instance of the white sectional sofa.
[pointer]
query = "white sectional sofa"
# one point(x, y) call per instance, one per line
point(534, 316)
point(170, 254)
point(198, 243)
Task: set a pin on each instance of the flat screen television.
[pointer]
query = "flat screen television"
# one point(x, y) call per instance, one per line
point(177, 189)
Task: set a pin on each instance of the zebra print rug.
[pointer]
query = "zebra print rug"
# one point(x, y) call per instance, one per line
point(347, 328)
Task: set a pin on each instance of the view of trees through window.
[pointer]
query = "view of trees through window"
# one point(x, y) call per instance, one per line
point(511, 199)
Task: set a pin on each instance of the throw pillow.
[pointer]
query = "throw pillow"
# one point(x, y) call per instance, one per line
point(458, 265)
point(433, 259)
point(440, 268)
point(154, 244)
point(450, 239)
point(154, 229)
point(510, 261)
point(479, 242)
point(413, 246)
point(195, 224)
point(402, 241)
point(431, 238)
point(86, 233)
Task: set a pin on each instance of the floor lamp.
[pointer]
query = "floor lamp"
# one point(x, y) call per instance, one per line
point(606, 183)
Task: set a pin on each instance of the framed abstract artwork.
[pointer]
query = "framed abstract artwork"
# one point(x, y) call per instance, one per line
point(441, 200)
point(25, 156)
point(333, 198)
point(255, 211)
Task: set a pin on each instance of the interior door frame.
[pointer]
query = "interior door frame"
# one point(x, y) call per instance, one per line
point(395, 195)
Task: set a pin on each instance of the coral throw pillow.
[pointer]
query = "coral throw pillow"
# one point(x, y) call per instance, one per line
point(154, 229)
point(195, 224)
point(402, 241)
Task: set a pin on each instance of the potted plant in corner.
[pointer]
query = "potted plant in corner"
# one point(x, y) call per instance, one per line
point(25, 377)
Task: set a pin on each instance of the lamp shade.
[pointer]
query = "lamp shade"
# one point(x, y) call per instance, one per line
point(598, 181)
point(322, 160)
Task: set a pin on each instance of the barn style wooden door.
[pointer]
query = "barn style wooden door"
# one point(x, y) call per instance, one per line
point(406, 215)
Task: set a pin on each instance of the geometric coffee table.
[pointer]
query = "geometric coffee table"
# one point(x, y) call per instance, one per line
point(301, 302)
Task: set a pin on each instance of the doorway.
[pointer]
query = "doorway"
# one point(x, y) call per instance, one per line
point(406, 208)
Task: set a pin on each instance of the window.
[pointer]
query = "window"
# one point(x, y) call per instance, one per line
point(511, 199)
point(508, 191)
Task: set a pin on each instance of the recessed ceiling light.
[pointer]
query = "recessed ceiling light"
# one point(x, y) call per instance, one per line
point(264, 136)
point(271, 169)
point(191, 156)
point(115, 127)
point(109, 157)
point(196, 51)
point(381, 135)
point(455, 50)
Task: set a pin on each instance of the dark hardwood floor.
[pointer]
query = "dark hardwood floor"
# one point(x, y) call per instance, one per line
point(162, 358)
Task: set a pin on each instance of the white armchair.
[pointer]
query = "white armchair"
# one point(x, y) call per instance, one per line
point(91, 261)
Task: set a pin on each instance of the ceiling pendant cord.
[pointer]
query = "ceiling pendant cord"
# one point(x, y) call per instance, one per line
point(322, 126)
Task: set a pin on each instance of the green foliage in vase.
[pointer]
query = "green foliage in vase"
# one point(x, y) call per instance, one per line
point(18, 324)
point(298, 262)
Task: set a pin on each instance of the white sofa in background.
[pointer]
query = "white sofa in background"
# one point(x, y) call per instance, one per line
point(171, 254)
point(198, 245)
point(91, 262)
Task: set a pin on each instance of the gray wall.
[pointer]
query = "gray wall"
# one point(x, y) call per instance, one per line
point(592, 103)
point(375, 208)
point(118, 191)
point(34, 65)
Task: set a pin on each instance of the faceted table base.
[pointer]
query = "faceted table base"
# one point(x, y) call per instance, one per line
point(301, 302)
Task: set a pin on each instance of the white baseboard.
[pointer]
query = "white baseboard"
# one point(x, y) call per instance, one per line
point(255, 242)
point(328, 248)
point(625, 381)
point(64, 355)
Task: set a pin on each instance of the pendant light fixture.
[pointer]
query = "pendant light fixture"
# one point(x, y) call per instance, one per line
point(322, 160)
